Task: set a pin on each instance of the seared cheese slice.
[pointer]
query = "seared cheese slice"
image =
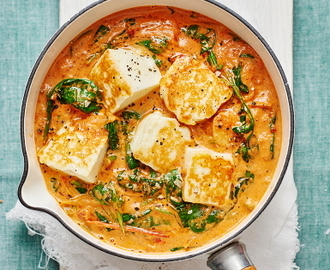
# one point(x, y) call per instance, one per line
point(192, 91)
point(208, 177)
point(159, 142)
point(78, 148)
point(124, 76)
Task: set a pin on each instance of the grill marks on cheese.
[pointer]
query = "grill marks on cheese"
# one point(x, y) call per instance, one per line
point(78, 148)
point(189, 89)
point(124, 76)
point(208, 177)
point(160, 142)
point(192, 91)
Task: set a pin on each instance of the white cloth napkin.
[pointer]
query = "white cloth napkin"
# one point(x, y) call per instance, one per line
point(271, 241)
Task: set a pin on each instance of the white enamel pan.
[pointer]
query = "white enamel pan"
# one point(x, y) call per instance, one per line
point(224, 253)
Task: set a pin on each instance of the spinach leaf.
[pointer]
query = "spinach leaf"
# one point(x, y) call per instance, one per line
point(246, 179)
point(100, 32)
point(247, 120)
point(212, 59)
point(83, 94)
point(50, 106)
point(207, 38)
point(237, 71)
point(176, 248)
point(80, 187)
point(272, 128)
point(155, 45)
point(113, 138)
point(246, 55)
point(192, 215)
point(80, 93)
point(190, 212)
point(136, 219)
point(197, 216)
point(131, 162)
point(101, 217)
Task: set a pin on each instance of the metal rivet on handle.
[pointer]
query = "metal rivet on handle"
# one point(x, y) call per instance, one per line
point(231, 257)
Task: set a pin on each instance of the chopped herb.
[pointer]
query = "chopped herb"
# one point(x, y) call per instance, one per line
point(127, 115)
point(153, 174)
point(158, 62)
point(101, 193)
point(176, 248)
point(106, 193)
point(137, 183)
point(55, 184)
point(163, 211)
point(112, 157)
point(120, 221)
point(173, 182)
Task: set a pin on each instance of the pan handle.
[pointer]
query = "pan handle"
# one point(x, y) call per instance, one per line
point(231, 257)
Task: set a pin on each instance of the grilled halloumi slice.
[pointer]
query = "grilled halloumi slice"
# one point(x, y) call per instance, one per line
point(78, 148)
point(124, 76)
point(192, 91)
point(208, 178)
point(159, 142)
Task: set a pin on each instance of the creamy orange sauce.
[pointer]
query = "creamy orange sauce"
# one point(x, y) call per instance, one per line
point(161, 230)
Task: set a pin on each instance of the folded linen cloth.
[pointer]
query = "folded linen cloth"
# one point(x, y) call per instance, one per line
point(271, 241)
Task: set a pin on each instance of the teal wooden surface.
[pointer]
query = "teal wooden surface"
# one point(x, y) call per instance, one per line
point(312, 145)
point(25, 27)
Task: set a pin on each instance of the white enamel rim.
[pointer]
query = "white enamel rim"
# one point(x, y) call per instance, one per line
point(32, 191)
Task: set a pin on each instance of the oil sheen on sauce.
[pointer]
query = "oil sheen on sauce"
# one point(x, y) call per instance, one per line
point(127, 28)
